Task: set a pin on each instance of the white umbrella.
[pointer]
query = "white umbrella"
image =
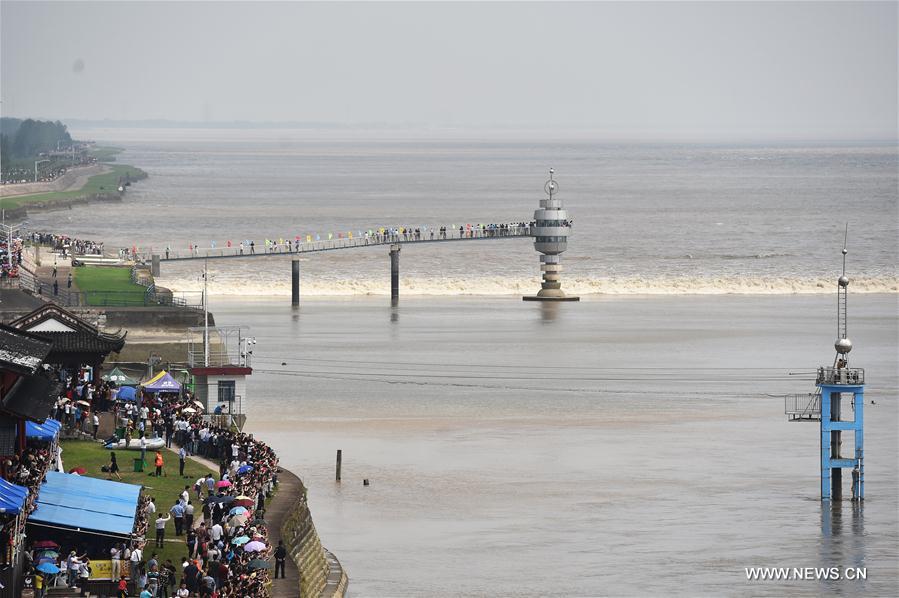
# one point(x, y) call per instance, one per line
point(188, 410)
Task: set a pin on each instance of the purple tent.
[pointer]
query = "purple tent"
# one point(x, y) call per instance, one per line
point(165, 384)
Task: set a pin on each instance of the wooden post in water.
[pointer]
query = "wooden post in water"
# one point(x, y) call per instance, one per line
point(295, 282)
point(339, 462)
point(394, 274)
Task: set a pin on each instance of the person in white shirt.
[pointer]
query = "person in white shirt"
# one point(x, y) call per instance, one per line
point(151, 506)
point(115, 554)
point(216, 532)
point(160, 529)
point(136, 557)
point(96, 422)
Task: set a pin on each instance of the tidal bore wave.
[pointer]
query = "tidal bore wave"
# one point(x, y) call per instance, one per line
point(263, 285)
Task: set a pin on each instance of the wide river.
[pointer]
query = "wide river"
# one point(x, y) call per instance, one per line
point(630, 444)
point(623, 446)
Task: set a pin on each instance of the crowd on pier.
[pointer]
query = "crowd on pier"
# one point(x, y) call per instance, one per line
point(390, 234)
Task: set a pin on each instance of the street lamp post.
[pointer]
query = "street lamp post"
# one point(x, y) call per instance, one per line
point(35, 167)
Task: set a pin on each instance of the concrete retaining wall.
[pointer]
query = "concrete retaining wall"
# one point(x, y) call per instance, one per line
point(305, 548)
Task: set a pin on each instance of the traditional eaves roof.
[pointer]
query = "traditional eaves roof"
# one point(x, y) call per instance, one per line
point(32, 397)
point(83, 338)
point(22, 352)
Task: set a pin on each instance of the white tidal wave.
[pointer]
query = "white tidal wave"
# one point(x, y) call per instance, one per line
point(312, 287)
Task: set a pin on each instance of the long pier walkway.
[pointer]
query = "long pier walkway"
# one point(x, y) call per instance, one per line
point(286, 247)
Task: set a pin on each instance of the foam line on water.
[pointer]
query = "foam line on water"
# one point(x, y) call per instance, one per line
point(268, 285)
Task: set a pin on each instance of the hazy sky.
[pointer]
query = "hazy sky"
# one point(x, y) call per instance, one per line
point(760, 69)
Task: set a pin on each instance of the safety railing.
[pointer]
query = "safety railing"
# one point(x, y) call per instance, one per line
point(299, 246)
point(848, 376)
point(803, 407)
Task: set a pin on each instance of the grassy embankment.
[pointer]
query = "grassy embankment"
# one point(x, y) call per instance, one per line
point(92, 456)
point(105, 285)
point(99, 184)
point(106, 153)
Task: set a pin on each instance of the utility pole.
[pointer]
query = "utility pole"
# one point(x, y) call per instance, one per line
point(206, 312)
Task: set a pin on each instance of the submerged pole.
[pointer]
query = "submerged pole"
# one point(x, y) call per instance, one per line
point(394, 274)
point(295, 282)
point(339, 462)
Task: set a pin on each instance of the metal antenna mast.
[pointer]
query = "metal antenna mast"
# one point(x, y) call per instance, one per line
point(843, 345)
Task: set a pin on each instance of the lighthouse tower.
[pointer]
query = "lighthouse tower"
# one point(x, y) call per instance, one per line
point(838, 405)
point(551, 228)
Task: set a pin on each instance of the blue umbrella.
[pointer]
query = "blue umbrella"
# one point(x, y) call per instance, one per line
point(127, 393)
point(244, 469)
point(48, 568)
point(237, 511)
point(240, 540)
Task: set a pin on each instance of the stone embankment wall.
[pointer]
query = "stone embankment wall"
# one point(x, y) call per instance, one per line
point(305, 548)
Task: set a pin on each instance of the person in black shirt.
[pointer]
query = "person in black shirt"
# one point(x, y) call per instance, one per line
point(280, 558)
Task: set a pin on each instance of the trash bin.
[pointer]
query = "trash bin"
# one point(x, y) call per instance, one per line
point(138, 464)
point(120, 433)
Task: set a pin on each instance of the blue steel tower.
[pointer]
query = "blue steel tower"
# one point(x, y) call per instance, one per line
point(835, 384)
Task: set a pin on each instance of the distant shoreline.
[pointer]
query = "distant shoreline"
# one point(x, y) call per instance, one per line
point(102, 186)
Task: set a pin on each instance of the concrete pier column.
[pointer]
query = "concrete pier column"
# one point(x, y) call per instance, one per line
point(295, 282)
point(154, 265)
point(394, 274)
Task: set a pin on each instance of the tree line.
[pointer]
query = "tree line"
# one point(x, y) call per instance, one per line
point(25, 139)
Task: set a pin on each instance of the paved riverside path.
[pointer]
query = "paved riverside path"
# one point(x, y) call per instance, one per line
point(276, 512)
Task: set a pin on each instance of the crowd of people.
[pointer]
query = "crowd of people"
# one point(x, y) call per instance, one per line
point(379, 235)
point(232, 505)
point(66, 245)
point(27, 469)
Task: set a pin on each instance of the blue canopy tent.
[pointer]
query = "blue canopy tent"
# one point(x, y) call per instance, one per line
point(12, 497)
point(83, 504)
point(164, 383)
point(46, 431)
point(127, 393)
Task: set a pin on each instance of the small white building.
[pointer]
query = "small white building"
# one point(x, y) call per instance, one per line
point(219, 362)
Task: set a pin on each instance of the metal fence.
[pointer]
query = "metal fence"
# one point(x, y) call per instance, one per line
point(803, 407)
point(848, 376)
point(69, 298)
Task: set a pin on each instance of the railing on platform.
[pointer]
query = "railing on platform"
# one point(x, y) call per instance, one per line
point(848, 376)
point(803, 407)
point(292, 247)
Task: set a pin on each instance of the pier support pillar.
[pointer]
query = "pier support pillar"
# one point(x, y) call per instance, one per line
point(836, 473)
point(295, 282)
point(394, 274)
point(154, 265)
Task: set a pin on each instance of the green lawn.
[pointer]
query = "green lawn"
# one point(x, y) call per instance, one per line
point(92, 456)
point(100, 183)
point(108, 285)
point(106, 153)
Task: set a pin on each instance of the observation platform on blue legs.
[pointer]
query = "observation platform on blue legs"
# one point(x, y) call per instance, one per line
point(835, 384)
